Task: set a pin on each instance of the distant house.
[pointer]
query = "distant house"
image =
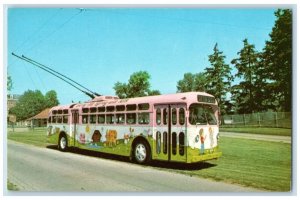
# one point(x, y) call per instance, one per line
point(39, 120)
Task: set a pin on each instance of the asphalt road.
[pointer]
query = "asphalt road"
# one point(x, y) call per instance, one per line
point(270, 138)
point(49, 170)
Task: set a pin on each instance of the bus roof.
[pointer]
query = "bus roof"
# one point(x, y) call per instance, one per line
point(158, 99)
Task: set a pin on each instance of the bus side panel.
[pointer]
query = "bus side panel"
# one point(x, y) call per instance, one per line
point(110, 139)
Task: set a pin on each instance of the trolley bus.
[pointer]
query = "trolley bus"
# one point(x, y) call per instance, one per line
point(180, 127)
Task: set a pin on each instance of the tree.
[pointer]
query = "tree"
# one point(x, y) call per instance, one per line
point(218, 79)
point(51, 99)
point(33, 102)
point(246, 92)
point(138, 86)
point(277, 56)
point(191, 82)
point(9, 83)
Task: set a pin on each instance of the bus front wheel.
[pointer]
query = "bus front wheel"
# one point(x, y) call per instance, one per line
point(141, 152)
point(63, 143)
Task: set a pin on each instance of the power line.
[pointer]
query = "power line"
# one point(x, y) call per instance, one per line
point(38, 30)
point(53, 32)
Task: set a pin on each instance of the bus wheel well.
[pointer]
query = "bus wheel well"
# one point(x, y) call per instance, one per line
point(141, 140)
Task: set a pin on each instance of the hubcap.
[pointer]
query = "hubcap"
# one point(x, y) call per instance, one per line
point(63, 142)
point(140, 152)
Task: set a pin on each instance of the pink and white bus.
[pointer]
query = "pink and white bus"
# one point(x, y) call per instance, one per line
point(180, 127)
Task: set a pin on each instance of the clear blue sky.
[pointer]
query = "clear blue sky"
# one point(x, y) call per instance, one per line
point(98, 47)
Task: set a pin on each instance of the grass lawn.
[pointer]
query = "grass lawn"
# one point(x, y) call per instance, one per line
point(259, 130)
point(253, 163)
point(258, 164)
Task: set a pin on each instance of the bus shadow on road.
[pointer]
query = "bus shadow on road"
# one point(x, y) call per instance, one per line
point(181, 166)
point(154, 163)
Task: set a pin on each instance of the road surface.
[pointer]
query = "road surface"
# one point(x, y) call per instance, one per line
point(270, 138)
point(48, 170)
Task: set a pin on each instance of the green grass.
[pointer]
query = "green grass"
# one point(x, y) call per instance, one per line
point(11, 186)
point(33, 137)
point(259, 130)
point(253, 163)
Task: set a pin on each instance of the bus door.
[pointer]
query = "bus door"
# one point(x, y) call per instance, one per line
point(170, 132)
point(74, 124)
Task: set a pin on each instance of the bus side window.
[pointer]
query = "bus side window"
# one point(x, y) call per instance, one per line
point(130, 118)
point(110, 118)
point(92, 119)
point(65, 119)
point(174, 116)
point(143, 118)
point(101, 119)
point(181, 116)
point(84, 119)
point(158, 116)
point(165, 116)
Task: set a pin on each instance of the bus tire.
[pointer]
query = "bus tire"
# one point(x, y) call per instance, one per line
point(141, 152)
point(63, 142)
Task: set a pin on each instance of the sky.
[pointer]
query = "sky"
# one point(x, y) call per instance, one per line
point(98, 47)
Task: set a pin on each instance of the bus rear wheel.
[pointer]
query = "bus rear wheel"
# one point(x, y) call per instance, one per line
point(141, 152)
point(62, 143)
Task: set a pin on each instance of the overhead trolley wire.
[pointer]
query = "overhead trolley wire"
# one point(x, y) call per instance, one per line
point(58, 75)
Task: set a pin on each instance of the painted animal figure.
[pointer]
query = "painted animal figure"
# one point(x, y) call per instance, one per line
point(111, 138)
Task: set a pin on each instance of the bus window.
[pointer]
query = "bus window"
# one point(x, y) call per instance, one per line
point(201, 114)
point(59, 119)
point(65, 111)
point(165, 145)
point(54, 119)
point(85, 110)
point(165, 116)
point(85, 119)
point(65, 119)
point(54, 112)
point(158, 142)
point(143, 118)
point(110, 119)
point(49, 120)
point(110, 108)
point(59, 112)
point(120, 118)
point(158, 116)
point(120, 108)
point(92, 119)
point(130, 118)
point(101, 119)
point(174, 143)
point(181, 116)
point(101, 109)
point(93, 110)
point(181, 143)
point(131, 107)
point(174, 116)
point(143, 106)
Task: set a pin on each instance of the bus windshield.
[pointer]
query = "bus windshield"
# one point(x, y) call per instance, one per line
point(202, 115)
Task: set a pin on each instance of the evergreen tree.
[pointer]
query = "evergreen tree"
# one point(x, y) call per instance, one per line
point(218, 79)
point(277, 56)
point(246, 93)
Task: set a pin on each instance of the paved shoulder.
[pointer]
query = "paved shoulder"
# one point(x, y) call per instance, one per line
point(271, 138)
